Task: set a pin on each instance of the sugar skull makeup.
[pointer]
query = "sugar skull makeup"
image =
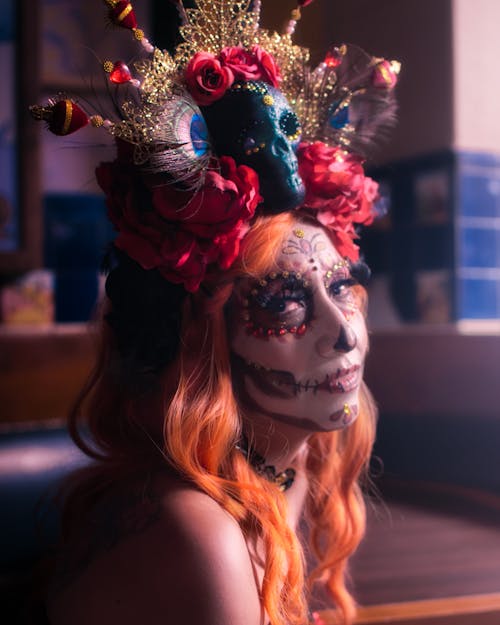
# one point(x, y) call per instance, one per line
point(298, 336)
point(255, 124)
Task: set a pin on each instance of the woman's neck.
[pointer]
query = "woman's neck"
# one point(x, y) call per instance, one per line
point(279, 444)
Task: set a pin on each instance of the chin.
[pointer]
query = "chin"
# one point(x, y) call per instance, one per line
point(330, 418)
point(313, 414)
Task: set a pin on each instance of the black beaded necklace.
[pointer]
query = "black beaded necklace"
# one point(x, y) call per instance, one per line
point(283, 480)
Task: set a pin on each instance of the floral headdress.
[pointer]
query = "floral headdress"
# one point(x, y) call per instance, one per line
point(202, 194)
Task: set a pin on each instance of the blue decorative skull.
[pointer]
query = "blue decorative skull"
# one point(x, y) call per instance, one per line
point(255, 124)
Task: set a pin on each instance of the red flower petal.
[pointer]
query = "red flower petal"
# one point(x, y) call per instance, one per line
point(337, 191)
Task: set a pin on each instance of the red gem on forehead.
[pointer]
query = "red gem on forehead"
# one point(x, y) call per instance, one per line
point(301, 329)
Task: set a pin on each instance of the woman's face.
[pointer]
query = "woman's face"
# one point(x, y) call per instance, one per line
point(298, 336)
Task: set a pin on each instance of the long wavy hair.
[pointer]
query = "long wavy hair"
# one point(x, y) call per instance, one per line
point(174, 347)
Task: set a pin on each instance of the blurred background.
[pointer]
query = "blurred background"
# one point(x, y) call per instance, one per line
point(434, 317)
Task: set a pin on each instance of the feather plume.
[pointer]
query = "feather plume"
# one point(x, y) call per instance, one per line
point(350, 102)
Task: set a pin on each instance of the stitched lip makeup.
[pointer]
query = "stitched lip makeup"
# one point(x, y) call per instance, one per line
point(283, 383)
point(343, 381)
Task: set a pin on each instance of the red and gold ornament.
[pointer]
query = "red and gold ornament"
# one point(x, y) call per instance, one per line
point(385, 74)
point(63, 116)
point(122, 13)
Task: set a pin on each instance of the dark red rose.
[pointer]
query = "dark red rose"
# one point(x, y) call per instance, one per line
point(228, 244)
point(182, 261)
point(207, 80)
point(225, 199)
point(338, 192)
point(241, 62)
point(179, 233)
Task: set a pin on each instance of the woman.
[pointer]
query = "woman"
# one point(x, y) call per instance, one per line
point(227, 401)
point(197, 521)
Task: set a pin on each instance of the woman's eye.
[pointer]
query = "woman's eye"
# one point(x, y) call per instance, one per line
point(341, 288)
point(284, 305)
point(279, 305)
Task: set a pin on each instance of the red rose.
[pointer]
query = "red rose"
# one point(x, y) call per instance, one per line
point(182, 261)
point(241, 62)
point(223, 201)
point(228, 244)
point(337, 188)
point(207, 80)
point(139, 232)
point(178, 233)
point(268, 68)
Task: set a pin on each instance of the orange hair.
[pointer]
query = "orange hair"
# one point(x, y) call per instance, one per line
point(201, 426)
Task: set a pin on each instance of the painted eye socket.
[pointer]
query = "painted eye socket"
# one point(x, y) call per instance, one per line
point(280, 305)
point(283, 305)
point(290, 126)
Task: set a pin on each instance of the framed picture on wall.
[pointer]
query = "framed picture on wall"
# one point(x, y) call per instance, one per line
point(20, 203)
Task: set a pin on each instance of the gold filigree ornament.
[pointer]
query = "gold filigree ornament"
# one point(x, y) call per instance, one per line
point(345, 101)
point(217, 24)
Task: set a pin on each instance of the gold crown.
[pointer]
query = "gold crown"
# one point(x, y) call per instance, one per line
point(345, 101)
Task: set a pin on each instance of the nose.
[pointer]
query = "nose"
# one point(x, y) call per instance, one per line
point(338, 338)
point(281, 147)
point(346, 340)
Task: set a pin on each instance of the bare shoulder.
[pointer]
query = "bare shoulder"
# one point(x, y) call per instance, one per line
point(177, 557)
